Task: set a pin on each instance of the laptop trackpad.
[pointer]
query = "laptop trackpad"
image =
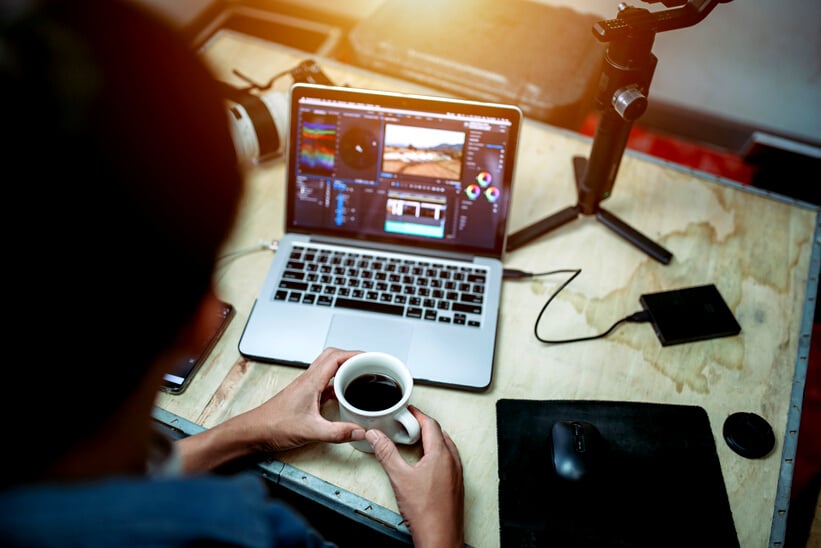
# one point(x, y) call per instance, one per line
point(350, 332)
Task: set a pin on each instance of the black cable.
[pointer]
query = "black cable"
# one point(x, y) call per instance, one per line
point(260, 87)
point(515, 274)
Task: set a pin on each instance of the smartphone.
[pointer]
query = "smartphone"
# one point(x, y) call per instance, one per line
point(177, 380)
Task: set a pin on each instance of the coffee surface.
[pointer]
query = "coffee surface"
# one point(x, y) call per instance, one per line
point(373, 392)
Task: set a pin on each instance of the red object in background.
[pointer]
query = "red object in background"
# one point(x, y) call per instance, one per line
point(679, 151)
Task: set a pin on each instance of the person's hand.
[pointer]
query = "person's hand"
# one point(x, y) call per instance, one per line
point(431, 493)
point(292, 417)
point(288, 420)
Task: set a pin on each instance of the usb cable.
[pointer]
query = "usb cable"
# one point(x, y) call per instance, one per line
point(516, 274)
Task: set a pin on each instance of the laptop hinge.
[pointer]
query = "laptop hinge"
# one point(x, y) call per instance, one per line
point(394, 248)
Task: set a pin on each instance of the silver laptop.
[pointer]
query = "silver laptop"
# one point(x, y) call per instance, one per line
point(396, 215)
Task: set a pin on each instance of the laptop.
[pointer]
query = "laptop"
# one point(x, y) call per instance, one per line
point(396, 214)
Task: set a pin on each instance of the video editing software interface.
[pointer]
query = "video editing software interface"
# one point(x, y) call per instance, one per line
point(396, 173)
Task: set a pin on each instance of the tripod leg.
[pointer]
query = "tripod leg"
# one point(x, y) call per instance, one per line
point(633, 236)
point(579, 165)
point(523, 236)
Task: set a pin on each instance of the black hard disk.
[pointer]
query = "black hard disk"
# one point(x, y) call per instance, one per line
point(689, 314)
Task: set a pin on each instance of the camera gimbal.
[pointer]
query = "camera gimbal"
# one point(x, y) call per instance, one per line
point(627, 70)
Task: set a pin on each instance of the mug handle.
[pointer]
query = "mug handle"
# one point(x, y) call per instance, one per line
point(412, 428)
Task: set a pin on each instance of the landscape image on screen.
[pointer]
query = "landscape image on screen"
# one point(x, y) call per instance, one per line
point(411, 150)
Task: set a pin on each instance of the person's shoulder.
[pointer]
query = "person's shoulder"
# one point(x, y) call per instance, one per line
point(157, 512)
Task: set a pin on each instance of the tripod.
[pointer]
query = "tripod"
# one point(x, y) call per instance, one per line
point(624, 83)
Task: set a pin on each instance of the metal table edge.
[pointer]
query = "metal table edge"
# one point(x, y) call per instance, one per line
point(783, 491)
point(309, 486)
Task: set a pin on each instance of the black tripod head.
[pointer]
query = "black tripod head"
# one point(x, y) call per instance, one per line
point(686, 14)
point(629, 63)
point(627, 70)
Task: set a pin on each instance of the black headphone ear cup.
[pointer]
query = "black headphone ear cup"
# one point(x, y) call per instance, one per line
point(263, 123)
point(258, 123)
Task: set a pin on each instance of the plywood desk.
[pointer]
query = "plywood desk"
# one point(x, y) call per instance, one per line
point(761, 252)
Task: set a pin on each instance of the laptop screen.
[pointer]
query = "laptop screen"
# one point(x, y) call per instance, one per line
point(403, 169)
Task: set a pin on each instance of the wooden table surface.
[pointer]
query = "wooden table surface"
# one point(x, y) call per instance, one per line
point(761, 251)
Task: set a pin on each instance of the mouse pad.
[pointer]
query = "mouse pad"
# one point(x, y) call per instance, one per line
point(658, 481)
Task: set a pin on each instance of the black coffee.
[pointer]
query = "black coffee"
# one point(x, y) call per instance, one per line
point(373, 392)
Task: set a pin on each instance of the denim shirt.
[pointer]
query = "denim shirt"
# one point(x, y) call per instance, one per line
point(152, 511)
point(163, 508)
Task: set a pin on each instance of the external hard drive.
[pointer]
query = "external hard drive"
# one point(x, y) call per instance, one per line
point(689, 314)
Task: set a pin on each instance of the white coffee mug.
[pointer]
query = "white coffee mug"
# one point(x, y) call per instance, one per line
point(373, 390)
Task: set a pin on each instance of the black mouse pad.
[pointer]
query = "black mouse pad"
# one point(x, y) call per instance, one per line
point(658, 482)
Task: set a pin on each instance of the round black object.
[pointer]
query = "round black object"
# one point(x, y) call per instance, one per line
point(357, 148)
point(749, 435)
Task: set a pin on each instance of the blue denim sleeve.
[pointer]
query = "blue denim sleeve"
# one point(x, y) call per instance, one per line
point(209, 510)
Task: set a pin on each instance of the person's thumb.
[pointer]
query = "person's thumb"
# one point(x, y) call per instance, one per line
point(341, 432)
point(384, 450)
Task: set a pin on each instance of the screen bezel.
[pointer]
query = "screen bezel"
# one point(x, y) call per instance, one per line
point(423, 103)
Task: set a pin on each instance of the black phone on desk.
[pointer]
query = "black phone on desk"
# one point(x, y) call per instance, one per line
point(177, 380)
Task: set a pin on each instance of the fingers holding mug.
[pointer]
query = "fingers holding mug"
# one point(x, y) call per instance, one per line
point(373, 390)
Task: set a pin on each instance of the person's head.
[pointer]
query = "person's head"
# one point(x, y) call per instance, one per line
point(120, 185)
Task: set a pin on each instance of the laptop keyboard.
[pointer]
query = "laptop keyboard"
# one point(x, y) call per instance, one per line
point(415, 288)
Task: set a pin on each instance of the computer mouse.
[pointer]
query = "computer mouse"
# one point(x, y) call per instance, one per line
point(576, 449)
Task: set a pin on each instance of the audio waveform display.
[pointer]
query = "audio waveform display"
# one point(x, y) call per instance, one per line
point(317, 148)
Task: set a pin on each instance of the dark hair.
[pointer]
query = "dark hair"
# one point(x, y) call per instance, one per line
point(123, 183)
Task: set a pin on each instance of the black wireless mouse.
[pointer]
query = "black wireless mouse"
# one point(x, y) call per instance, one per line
point(576, 449)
